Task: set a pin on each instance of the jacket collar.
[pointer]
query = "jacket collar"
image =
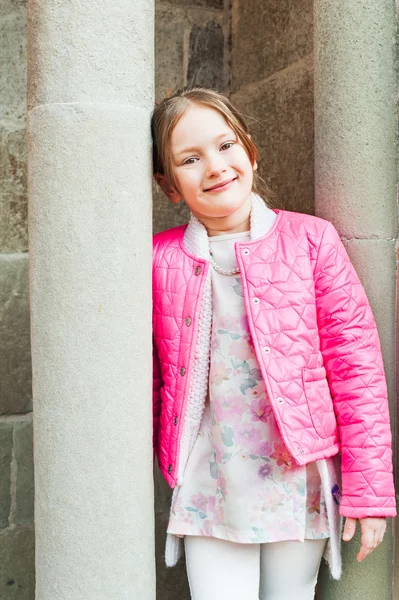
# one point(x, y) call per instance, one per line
point(261, 220)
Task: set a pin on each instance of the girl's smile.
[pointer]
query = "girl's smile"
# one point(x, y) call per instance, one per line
point(222, 186)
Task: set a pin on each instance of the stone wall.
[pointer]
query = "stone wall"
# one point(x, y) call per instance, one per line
point(16, 463)
point(272, 83)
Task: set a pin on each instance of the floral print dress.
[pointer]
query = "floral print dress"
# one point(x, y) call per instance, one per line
point(241, 483)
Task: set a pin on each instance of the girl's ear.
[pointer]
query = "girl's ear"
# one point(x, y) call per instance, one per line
point(167, 188)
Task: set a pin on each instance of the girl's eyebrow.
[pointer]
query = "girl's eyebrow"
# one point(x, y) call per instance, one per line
point(192, 148)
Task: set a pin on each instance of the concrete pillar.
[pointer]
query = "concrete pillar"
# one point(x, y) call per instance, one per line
point(90, 95)
point(356, 185)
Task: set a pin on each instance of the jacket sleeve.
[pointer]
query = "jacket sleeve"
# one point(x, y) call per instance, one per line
point(156, 396)
point(351, 351)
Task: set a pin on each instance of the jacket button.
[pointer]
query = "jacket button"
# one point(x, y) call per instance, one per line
point(170, 468)
point(255, 300)
point(182, 371)
point(188, 321)
point(197, 270)
point(266, 349)
point(301, 451)
point(175, 421)
point(280, 400)
point(246, 251)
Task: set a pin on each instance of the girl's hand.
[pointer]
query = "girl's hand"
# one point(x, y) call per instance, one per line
point(372, 528)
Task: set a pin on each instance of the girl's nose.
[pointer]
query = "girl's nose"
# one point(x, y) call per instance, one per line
point(215, 165)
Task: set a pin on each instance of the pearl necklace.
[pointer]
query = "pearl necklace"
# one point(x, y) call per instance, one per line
point(218, 269)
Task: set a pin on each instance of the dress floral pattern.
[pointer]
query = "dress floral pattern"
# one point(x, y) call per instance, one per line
point(241, 483)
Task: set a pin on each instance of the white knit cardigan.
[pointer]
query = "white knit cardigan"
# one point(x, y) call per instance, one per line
point(197, 242)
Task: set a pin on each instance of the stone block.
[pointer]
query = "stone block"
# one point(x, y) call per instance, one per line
point(7, 7)
point(205, 56)
point(6, 435)
point(356, 133)
point(23, 450)
point(13, 184)
point(268, 36)
point(17, 564)
point(12, 63)
point(178, 37)
point(215, 4)
point(15, 361)
point(279, 113)
point(13, 191)
point(105, 53)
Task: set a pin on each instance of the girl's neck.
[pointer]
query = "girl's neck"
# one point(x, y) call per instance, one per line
point(235, 223)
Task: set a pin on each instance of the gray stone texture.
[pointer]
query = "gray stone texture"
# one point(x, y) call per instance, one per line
point(205, 56)
point(6, 442)
point(279, 113)
point(90, 256)
point(91, 70)
point(12, 61)
point(173, 29)
point(268, 37)
point(215, 4)
point(356, 117)
point(15, 360)
point(24, 493)
point(13, 194)
point(13, 191)
point(17, 564)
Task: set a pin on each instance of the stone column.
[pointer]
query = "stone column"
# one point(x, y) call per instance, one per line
point(90, 95)
point(356, 186)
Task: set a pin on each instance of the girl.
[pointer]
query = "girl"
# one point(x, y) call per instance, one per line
point(267, 364)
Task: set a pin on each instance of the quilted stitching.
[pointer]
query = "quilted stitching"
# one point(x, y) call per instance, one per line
point(314, 315)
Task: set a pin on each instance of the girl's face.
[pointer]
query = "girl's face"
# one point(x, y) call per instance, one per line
point(205, 153)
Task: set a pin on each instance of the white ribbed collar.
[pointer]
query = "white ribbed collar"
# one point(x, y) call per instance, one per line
point(196, 236)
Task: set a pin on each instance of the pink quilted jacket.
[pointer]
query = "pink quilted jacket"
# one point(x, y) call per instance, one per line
point(316, 343)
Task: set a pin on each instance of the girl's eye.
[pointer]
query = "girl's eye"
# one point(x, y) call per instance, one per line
point(226, 145)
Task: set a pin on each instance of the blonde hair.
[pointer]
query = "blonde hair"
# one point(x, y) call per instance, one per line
point(167, 113)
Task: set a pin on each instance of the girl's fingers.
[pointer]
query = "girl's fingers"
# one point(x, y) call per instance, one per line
point(372, 529)
point(372, 534)
point(349, 529)
point(368, 544)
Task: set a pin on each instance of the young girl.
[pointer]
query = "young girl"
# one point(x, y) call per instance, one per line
point(267, 365)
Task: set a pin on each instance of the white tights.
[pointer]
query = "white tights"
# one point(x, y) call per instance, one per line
point(275, 571)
